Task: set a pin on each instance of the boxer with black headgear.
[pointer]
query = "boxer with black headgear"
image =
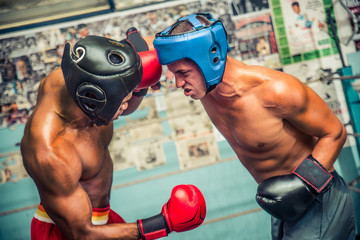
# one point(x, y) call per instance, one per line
point(281, 130)
point(66, 140)
point(99, 73)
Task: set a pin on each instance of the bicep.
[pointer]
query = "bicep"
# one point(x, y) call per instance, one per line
point(70, 212)
point(62, 195)
point(309, 112)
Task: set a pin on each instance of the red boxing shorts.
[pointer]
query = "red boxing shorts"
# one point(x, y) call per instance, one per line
point(43, 228)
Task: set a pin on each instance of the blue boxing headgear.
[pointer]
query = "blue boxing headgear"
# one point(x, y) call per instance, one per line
point(207, 46)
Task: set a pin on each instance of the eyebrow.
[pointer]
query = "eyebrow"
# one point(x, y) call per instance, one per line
point(183, 71)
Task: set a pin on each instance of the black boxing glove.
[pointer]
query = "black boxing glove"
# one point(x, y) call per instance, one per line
point(287, 197)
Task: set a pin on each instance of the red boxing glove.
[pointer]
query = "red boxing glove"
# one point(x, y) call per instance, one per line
point(151, 70)
point(185, 210)
point(151, 67)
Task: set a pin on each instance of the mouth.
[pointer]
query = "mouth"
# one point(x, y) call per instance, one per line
point(187, 91)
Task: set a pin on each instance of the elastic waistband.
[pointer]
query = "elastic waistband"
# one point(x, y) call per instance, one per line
point(100, 216)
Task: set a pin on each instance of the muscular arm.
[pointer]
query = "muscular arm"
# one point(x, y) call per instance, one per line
point(305, 110)
point(57, 175)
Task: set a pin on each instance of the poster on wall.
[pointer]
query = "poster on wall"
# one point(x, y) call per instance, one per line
point(120, 150)
point(256, 40)
point(149, 154)
point(192, 131)
point(301, 30)
point(241, 7)
point(197, 152)
point(306, 27)
point(12, 169)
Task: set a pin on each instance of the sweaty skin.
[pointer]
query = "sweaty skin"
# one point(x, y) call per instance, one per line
point(271, 119)
point(68, 158)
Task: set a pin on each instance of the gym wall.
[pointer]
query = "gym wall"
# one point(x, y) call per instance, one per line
point(170, 140)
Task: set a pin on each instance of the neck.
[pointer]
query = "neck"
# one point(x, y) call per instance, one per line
point(226, 88)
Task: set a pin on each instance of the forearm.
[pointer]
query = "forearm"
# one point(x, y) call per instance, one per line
point(119, 231)
point(328, 148)
point(73, 215)
point(122, 231)
point(80, 227)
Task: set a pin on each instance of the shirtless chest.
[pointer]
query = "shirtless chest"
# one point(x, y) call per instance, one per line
point(87, 147)
point(91, 147)
point(97, 167)
point(246, 124)
point(264, 143)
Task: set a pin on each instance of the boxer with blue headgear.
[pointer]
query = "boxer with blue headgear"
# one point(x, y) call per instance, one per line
point(284, 134)
point(206, 45)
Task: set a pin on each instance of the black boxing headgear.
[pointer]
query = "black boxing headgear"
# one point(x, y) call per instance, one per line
point(99, 73)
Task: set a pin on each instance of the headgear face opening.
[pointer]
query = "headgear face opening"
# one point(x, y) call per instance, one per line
point(207, 46)
point(99, 73)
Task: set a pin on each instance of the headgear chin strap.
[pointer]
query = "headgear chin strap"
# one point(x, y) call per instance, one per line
point(99, 73)
point(207, 46)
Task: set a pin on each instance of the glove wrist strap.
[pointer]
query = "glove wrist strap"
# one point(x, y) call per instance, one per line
point(153, 228)
point(313, 173)
point(140, 93)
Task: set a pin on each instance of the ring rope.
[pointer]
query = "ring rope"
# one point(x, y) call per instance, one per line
point(354, 134)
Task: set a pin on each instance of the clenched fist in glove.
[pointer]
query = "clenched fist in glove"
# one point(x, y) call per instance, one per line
point(185, 210)
point(287, 197)
point(151, 67)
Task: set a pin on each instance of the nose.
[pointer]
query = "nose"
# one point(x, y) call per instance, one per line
point(179, 82)
point(124, 106)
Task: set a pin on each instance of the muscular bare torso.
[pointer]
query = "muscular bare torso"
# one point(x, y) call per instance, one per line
point(265, 143)
point(82, 148)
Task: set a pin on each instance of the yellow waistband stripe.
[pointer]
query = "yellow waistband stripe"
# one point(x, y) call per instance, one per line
point(100, 216)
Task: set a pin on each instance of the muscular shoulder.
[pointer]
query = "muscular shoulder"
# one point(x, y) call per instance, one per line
point(54, 166)
point(48, 157)
point(51, 84)
point(54, 79)
point(275, 88)
point(286, 94)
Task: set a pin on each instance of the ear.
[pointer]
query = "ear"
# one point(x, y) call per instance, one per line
point(91, 97)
